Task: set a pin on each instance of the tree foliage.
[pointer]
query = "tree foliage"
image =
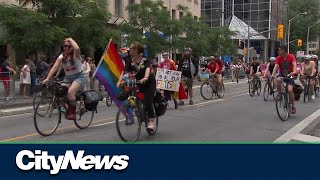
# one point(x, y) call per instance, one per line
point(150, 23)
point(300, 24)
point(28, 30)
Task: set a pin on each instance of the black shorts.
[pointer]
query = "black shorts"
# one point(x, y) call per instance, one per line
point(287, 80)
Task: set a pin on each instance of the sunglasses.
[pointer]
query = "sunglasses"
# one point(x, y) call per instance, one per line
point(164, 55)
point(67, 46)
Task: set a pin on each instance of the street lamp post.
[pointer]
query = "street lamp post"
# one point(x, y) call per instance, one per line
point(309, 35)
point(304, 13)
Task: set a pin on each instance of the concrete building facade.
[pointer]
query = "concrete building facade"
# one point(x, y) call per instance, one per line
point(261, 15)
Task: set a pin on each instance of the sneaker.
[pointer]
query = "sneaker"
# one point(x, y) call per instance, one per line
point(293, 110)
point(191, 102)
point(181, 103)
point(151, 125)
point(313, 97)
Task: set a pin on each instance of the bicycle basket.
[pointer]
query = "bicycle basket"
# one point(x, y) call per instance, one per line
point(204, 77)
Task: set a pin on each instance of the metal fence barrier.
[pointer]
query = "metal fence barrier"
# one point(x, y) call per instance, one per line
point(7, 88)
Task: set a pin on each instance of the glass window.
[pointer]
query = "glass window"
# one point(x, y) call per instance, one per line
point(118, 8)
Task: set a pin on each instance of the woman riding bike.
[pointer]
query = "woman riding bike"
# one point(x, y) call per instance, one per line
point(269, 70)
point(74, 78)
point(308, 69)
point(141, 68)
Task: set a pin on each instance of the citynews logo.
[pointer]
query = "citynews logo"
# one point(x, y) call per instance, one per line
point(40, 160)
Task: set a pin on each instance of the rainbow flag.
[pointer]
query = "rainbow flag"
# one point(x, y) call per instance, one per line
point(108, 73)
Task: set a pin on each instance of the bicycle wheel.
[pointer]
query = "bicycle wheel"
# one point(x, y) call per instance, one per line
point(266, 91)
point(251, 86)
point(128, 128)
point(220, 91)
point(206, 91)
point(282, 106)
point(84, 117)
point(316, 91)
point(108, 100)
point(258, 88)
point(48, 123)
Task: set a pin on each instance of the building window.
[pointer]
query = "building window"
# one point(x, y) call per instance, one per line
point(118, 8)
point(174, 14)
point(180, 14)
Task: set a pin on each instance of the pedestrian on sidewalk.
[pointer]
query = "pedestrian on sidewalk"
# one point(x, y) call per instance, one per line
point(25, 75)
point(33, 76)
point(86, 71)
point(5, 70)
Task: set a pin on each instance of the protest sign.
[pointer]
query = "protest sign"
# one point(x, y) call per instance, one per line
point(168, 79)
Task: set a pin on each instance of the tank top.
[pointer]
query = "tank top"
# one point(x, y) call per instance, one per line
point(308, 68)
point(271, 67)
point(70, 69)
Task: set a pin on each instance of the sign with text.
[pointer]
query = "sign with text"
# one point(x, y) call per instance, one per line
point(168, 79)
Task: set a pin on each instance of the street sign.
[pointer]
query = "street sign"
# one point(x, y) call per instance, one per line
point(300, 53)
point(280, 31)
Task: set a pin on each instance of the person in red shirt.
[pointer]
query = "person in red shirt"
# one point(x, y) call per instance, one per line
point(215, 70)
point(169, 65)
point(287, 65)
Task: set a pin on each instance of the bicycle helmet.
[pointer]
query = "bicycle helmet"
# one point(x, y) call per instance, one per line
point(306, 57)
point(272, 59)
point(314, 57)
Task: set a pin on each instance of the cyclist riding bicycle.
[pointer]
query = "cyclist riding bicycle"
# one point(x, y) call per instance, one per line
point(141, 68)
point(269, 70)
point(74, 78)
point(308, 69)
point(287, 65)
point(213, 68)
point(255, 70)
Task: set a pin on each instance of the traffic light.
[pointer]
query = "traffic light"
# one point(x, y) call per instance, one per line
point(244, 51)
point(280, 31)
point(300, 42)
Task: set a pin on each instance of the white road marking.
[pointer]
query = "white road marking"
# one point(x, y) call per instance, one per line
point(306, 138)
point(298, 128)
point(106, 123)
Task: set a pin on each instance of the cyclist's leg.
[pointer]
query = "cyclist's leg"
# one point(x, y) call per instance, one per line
point(303, 82)
point(312, 83)
point(149, 92)
point(74, 88)
point(190, 90)
point(219, 80)
point(291, 97)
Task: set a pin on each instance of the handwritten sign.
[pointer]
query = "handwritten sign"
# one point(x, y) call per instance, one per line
point(168, 79)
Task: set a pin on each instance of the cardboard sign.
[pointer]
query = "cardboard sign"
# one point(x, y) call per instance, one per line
point(168, 79)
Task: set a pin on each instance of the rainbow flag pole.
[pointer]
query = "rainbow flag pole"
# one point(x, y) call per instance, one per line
point(108, 73)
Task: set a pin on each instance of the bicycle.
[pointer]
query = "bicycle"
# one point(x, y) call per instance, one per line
point(255, 86)
point(268, 89)
point(108, 100)
point(307, 89)
point(135, 113)
point(212, 87)
point(51, 108)
point(44, 92)
point(317, 88)
point(283, 100)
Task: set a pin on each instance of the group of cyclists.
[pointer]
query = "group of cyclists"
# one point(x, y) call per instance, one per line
point(285, 65)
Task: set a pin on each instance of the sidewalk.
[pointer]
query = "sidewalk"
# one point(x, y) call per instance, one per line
point(22, 105)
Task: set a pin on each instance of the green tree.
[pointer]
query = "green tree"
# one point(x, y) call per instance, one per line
point(85, 21)
point(28, 30)
point(154, 19)
point(300, 24)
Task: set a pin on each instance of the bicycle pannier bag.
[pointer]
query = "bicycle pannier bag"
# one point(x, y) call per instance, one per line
point(297, 90)
point(160, 104)
point(91, 100)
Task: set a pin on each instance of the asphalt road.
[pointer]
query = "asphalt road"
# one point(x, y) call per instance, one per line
point(235, 118)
